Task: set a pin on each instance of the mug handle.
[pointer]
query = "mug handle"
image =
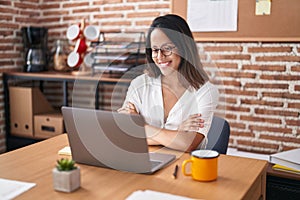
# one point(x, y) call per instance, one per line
point(184, 164)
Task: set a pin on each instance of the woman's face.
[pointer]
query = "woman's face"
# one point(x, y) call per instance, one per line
point(164, 53)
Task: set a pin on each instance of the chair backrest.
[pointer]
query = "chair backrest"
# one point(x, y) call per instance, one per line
point(218, 135)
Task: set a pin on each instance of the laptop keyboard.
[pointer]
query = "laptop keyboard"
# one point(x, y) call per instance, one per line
point(154, 163)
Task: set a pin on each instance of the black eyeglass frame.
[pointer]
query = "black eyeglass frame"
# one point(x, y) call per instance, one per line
point(162, 51)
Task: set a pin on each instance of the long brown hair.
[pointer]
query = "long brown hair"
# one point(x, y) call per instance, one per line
point(178, 31)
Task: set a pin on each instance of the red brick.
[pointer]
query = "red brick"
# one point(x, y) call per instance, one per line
point(154, 6)
point(237, 108)
point(6, 3)
point(242, 133)
point(230, 57)
point(240, 92)
point(118, 8)
point(260, 119)
point(8, 10)
point(116, 23)
point(293, 122)
point(103, 2)
point(269, 49)
point(286, 148)
point(232, 83)
point(293, 105)
point(30, 13)
point(75, 4)
point(282, 77)
point(276, 112)
point(262, 102)
point(238, 125)
point(270, 129)
point(6, 33)
point(230, 116)
point(224, 48)
point(85, 10)
point(237, 74)
point(143, 23)
point(49, 6)
point(26, 5)
point(279, 138)
point(295, 68)
point(268, 86)
point(143, 14)
point(9, 25)
point(26, 20)
point(142, 1)
point(283, 95)
point(278, 58)
point(230, 100)
point(108, 15)
point(227, 65)
point(256, 144)
point(279, 68)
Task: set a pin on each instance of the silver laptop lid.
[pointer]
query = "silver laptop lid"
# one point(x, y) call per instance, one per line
point(107, 139)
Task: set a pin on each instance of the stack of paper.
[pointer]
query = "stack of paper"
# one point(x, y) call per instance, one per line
point(11, 189)
point(289, 160)
point(150, 195)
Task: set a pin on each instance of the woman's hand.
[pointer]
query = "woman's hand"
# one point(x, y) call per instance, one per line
point(192, 124)
point(129, 109)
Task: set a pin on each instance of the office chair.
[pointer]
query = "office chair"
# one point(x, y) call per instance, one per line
point(218, 135)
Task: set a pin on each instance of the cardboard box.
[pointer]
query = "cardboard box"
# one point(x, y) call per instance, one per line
point(25, 102)
point(48, 125)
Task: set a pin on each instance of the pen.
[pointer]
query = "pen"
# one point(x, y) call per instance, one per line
point(175, 172)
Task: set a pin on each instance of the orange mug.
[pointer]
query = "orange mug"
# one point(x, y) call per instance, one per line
point(203, 165)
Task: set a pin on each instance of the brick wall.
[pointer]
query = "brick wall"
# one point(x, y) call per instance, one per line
point(259, 82)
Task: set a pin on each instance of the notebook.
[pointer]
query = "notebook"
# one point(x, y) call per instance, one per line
point(112, 140)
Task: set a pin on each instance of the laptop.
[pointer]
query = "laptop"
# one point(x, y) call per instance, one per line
point(111, 140)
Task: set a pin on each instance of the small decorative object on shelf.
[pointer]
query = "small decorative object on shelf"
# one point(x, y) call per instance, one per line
point(60, 56)
point(66, 176)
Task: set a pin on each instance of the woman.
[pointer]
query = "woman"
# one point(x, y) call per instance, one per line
point(174, 95)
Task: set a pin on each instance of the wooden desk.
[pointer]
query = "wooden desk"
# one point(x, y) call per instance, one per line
point(239, 178)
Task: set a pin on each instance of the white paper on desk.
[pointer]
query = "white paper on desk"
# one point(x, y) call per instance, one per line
point(212, 15)
point(11, 189)
point(150, 195)
point(65, 151)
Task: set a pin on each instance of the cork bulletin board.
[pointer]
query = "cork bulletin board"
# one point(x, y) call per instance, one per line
point(283, 24)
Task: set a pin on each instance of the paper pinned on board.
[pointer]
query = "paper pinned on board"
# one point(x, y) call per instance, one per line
point(263, 7)
point(212, 15)
point(11, 188)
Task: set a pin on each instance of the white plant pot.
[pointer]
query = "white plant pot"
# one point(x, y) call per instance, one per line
point(66, 181)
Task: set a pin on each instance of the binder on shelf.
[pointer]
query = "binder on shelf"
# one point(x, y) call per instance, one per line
point(290, 158)
point(285, 169)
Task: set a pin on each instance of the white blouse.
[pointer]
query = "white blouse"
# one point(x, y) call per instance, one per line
point(145, 93)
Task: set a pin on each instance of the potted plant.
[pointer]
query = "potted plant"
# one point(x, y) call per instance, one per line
point(66, 176)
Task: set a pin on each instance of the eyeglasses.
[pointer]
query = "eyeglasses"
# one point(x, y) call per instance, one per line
point(166, 50)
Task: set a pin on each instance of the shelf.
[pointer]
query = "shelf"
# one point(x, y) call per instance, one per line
point(118, 52)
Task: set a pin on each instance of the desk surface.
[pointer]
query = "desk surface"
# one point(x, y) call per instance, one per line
point(238, 178)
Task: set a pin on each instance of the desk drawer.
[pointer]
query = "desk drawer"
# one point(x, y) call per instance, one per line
point(281, 188)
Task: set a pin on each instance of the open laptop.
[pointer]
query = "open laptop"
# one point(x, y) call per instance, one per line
point(112, 140)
